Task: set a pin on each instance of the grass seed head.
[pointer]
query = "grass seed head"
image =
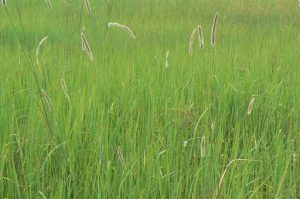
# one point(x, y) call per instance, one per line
point(126, 28)
point(202, 149)
point(251, 106)
point(200, 36)
point(192, 39)
point(64, 87)
point(47, 99)
point(167, 59)
point(38, 49)
point(214, 30)
point(88, 6)
point(49, 4)
point(86, 46)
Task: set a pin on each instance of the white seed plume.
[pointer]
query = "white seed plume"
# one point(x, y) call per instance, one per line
point(38, 49)
point(200, 36)
point(192, 39)
point(87, 46)
point(251, 106)
point(167, 59)
point(88, 6)
point(126, 28)
point(49, 4)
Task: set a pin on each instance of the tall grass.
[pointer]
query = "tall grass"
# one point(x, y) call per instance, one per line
point(223, 126)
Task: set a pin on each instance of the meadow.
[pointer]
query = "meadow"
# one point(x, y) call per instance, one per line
point(91, 111)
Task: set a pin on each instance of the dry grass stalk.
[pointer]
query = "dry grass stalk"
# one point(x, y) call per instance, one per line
point(87, 46)
point(167, 59)
point(47, 99)
point(49, 4)
point(202, 148)
point(214, 30)
point(126, 28)
point(251, 106)
point(64, 87)
point(192, 39)
point(38, 49)
point(88, 6)
point(200, 36)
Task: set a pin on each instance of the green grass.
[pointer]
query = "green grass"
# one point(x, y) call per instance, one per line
point(122, 135)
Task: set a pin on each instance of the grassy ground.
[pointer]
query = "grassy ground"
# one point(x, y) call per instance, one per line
point(134, 128)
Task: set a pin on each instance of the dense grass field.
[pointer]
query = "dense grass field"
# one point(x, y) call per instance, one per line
point(222, 122)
